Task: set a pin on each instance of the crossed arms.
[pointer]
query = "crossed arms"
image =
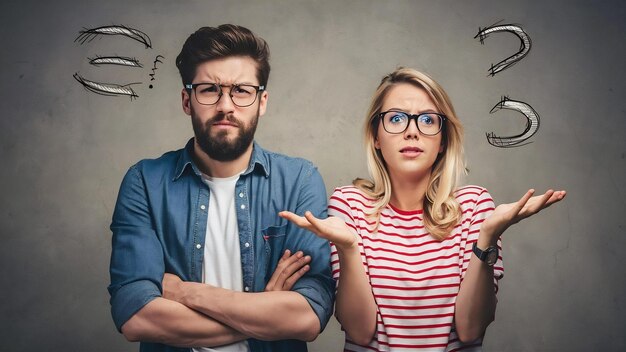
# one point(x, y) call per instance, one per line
point(150, 305)
point(193, 314)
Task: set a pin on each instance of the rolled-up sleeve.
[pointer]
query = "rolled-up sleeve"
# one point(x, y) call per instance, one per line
point(317, 285)
point(137, 263)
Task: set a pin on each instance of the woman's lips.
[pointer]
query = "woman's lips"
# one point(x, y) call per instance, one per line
point(411, 151)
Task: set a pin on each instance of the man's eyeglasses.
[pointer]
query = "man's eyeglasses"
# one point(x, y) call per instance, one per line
point(396, 122)
point(242, 95)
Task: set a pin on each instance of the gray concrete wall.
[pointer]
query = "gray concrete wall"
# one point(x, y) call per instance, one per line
point(64, 150)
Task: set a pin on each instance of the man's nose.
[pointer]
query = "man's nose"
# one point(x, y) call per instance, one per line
point(225, 103)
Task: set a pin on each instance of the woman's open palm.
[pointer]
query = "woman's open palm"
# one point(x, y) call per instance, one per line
point(332, 228)
point(506, 215)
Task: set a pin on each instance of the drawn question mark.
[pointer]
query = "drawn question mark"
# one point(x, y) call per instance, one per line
point(525, 44)
point(532, 124)
point(532, 118)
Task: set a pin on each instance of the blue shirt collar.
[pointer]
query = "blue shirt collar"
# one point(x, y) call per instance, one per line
point(258, 161)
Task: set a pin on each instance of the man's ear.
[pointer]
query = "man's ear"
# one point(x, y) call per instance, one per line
point(186, 101)
point(263, 102)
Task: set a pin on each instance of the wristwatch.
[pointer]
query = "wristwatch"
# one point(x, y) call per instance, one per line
point(489, 255)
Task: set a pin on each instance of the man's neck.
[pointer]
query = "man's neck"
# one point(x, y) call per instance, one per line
point(220, 169)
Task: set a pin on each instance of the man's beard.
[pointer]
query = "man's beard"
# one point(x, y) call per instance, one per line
point(219, 147)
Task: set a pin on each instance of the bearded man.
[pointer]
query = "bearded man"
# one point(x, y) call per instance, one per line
point(200, 259)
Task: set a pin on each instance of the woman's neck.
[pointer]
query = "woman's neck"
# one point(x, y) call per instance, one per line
point(407, 193)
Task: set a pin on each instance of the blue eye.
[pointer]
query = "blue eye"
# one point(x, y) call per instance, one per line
point(427, 119)
point(396, 118)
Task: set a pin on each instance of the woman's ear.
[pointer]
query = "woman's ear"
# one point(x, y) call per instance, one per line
point(376, 143)
point(444, 142)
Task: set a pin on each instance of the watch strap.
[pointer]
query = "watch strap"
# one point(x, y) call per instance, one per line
point(483, 255)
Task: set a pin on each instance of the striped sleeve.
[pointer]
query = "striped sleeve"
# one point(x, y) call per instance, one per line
point(483, 207)
point(339, 206)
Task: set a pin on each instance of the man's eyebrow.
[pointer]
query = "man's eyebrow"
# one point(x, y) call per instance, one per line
point(227, 85)
point(237, 83)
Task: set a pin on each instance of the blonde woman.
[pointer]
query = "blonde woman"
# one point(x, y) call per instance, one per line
point(416, 258)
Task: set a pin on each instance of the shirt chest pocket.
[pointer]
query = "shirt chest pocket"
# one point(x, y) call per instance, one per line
point(274, 239)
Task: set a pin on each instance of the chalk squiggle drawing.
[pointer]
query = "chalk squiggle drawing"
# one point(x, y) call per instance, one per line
point(157, 59)
point(87, 35)
point(113, 89)
point(532, 124)
point(524, 49)
point(115, 60)
point(109, 89)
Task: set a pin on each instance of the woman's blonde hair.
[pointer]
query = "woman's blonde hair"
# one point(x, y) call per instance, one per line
point(441, 210)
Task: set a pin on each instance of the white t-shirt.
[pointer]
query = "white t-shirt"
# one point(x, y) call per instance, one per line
point(222, 256)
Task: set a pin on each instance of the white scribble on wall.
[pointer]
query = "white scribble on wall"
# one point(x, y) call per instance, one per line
point(115, 60)
point(87, 35)
point(532, 124)
point(524, 48)
point(109, 89)
point(532, 118)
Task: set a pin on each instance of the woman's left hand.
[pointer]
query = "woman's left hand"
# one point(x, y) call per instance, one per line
point(506, 215)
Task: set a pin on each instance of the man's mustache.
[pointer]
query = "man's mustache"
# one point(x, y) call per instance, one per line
point(228, 117)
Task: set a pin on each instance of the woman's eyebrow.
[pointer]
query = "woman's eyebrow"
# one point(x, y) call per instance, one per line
point(419, 112)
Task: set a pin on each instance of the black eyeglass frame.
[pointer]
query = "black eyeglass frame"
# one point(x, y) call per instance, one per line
point(194, 86)
point(413, 117)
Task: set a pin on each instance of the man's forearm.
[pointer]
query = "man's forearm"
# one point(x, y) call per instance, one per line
point(171, 323)
point(263, 315)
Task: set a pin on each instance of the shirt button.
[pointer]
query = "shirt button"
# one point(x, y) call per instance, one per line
point(202, 207)
point(240, 194)
point(247, 244)
point(246, 288)
point(243, 206)
point(198, 246)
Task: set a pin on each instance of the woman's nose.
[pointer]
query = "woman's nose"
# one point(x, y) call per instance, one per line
point(411, 130)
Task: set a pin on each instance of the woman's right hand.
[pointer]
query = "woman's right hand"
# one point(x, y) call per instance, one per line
point(332, 228)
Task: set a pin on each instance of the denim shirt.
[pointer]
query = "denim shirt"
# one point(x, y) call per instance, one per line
point(159, 226)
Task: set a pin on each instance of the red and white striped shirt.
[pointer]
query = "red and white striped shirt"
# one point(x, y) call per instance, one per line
point(414, 277)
